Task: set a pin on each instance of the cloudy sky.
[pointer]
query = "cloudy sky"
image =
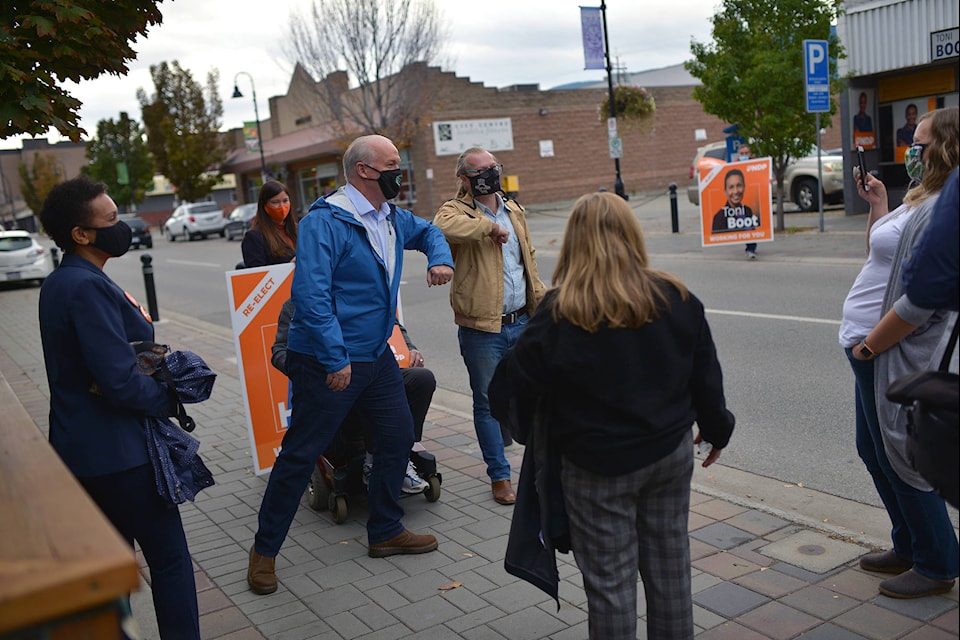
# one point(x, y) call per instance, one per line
point(497, 42)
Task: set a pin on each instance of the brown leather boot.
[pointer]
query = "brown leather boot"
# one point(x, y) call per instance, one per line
point(261, 575)
point(503, 492)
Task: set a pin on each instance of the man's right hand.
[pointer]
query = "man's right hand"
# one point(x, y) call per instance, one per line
point(500, 235)
point(339, 380)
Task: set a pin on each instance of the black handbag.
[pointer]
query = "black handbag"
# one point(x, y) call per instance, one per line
point(932, 401)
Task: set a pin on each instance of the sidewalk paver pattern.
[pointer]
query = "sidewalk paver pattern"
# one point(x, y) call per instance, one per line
point(755, 575)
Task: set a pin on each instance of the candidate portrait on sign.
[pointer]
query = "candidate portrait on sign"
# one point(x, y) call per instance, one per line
point(734, 215)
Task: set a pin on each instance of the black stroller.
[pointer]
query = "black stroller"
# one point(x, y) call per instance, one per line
point(339, 470)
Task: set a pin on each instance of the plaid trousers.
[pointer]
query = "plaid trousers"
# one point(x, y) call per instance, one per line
point(635, 521)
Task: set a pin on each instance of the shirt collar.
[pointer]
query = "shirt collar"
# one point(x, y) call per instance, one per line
point(362, 205)
point(484, 209)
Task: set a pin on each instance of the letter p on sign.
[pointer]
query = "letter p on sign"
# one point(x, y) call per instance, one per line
point(816, 74)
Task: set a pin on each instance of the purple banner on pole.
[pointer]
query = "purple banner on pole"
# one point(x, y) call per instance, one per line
point(592, 27)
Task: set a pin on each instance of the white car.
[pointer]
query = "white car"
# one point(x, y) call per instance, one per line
point(195, 220)
point(23, 258)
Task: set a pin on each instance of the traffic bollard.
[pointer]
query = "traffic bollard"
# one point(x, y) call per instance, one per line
point(148, 284)
point(55, 256)
point(674, 218)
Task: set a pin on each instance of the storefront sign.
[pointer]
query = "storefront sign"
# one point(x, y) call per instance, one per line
point(455, 136)
point(945, 44)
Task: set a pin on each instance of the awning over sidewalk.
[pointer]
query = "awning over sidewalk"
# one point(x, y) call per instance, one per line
point(306, 144)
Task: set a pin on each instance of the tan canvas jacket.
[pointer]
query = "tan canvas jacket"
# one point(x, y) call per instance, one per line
point(476, 294)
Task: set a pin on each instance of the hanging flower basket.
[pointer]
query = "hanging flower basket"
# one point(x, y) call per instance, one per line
point(635, 108)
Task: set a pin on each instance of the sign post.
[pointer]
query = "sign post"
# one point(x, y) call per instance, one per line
point(816, 82)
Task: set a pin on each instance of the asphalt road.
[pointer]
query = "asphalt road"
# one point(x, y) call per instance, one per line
point(774, 321)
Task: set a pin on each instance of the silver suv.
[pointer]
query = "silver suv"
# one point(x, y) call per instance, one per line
point(195, 220)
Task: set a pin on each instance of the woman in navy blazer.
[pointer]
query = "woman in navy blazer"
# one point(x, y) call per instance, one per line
point(98, 398)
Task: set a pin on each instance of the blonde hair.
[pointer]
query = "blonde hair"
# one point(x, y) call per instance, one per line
point(602, 275)
point(940, 157)
point(462, 168)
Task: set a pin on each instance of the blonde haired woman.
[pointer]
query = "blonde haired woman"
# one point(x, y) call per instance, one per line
point(623, 357)
point(880, 322)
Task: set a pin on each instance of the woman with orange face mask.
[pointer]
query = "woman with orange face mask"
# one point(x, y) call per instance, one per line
point(272, 238)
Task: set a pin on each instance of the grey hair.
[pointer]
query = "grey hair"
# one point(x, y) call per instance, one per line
point(360, 150)
point(462, 168)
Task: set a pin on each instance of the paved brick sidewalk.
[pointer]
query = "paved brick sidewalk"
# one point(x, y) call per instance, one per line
point(758, 571)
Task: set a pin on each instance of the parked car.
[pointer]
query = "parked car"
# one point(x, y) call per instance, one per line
point(23, 258)
point(195, 220)
point(141, 232)
point(799, 178)
point(239, 220)
point(708, 155)
point(800, 181)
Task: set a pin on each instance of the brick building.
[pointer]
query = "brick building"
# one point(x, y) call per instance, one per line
point(553, 141)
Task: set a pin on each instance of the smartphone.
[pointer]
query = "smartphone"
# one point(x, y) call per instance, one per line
point(862, 169)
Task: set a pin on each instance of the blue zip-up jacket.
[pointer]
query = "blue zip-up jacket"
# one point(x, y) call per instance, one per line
point(345, 307)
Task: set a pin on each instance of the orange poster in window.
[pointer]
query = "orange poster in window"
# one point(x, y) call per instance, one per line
point(735, 203)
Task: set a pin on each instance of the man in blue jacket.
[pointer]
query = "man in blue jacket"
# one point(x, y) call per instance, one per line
point(346, 279)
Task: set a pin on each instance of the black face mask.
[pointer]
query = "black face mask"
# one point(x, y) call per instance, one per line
point(113, 240)
point(485, 182)
point(389, 181)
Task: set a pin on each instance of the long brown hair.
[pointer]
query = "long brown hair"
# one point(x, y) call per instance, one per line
point(941, 156)
point(602, 275)
point(277, 244)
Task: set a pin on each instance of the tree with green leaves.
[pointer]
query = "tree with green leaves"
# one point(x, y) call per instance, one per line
point(119, 158)
point(37, 179)
point(384, 46)
point(43, 43)
point(752, 75)
point(182, 129)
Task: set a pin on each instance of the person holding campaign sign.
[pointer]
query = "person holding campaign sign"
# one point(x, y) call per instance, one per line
point(735, 215)
point(743, 188)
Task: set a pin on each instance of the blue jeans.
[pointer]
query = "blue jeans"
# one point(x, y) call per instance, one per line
point(921, 527)
point(131, 503)
point(376, 389)
point(481, 351)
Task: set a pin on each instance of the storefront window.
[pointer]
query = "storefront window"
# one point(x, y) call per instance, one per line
point(314, 182)
point(253, 187)
point(408, 191)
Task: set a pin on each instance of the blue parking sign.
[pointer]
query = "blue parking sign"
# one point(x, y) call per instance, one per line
point(816, 75)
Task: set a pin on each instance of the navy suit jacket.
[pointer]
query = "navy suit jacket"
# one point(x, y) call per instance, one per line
point(97, 397)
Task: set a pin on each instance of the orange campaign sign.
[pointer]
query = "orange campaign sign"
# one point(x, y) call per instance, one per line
point(736, 203)
point(256, 296)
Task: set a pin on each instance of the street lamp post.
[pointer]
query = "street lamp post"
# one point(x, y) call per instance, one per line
point(256, 114)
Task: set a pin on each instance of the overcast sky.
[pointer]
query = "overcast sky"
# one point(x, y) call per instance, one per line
point(496, 42)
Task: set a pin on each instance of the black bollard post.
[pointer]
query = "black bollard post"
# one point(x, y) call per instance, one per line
point(674, 218)
point(147, 261)
point(55, 256)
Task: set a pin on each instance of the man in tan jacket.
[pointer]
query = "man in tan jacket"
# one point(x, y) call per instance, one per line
point(495, 289)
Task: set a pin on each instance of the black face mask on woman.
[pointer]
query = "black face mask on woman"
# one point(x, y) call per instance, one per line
point(113, 240)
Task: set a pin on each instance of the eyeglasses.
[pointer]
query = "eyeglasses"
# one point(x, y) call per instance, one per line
point(475, 172)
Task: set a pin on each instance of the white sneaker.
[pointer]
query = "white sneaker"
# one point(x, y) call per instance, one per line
point(751, 255)
point(367, 466)
point(412, 482)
